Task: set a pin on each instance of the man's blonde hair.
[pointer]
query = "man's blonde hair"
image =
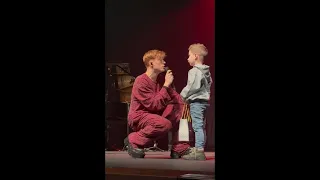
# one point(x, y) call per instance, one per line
point(153, 54)
point(198, 49)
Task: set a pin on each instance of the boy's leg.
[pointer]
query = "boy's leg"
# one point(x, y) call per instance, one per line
point(197, 111)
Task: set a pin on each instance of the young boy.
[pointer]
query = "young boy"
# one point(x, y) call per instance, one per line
point(197, 94)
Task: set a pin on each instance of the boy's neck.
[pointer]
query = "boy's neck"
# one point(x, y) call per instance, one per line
point(198, 63)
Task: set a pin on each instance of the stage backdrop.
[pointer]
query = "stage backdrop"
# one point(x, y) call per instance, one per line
point(134, 27)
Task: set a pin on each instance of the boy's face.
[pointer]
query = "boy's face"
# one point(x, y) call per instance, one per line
point(192, 58)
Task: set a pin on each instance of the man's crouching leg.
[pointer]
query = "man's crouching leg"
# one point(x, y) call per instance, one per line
point(148, 129)
point(134, 152)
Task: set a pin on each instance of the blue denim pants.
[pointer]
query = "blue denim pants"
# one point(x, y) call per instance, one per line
point(197, 112)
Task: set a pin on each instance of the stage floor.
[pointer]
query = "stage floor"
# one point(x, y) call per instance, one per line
point(157, 163)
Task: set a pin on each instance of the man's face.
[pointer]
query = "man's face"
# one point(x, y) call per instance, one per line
point(158, 65)
point(192, 58)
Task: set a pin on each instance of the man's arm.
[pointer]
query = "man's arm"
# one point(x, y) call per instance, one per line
point(175, 96)
point(148, 98)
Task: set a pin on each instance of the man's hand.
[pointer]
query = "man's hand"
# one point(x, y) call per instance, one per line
point(168, 79)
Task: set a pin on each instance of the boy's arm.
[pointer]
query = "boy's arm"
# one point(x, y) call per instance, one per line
point(192, 86)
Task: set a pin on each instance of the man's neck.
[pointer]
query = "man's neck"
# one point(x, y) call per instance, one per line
point(152, 75)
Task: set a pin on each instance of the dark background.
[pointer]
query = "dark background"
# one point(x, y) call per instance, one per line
point(134, 27)
point(265, 71)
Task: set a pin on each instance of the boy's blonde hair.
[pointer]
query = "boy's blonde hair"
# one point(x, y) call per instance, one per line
point(153, 54)
point(198, 49)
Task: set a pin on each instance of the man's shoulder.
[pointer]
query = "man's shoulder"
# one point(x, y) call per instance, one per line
point(140, 79)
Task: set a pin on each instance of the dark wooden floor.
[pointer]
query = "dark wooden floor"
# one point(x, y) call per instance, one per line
point(155, 165)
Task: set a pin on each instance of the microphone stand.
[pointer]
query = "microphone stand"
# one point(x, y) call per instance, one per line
point(154, 147)
point(106, 128)
point(107, 89)
point(170, 132)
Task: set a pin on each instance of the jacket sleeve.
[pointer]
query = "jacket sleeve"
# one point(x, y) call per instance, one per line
point(192, 85)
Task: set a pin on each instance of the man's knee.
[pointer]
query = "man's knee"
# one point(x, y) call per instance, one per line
point(168, 125)
point(163, 125)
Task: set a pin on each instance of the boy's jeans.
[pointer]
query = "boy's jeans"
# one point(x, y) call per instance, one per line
point(197, 111)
